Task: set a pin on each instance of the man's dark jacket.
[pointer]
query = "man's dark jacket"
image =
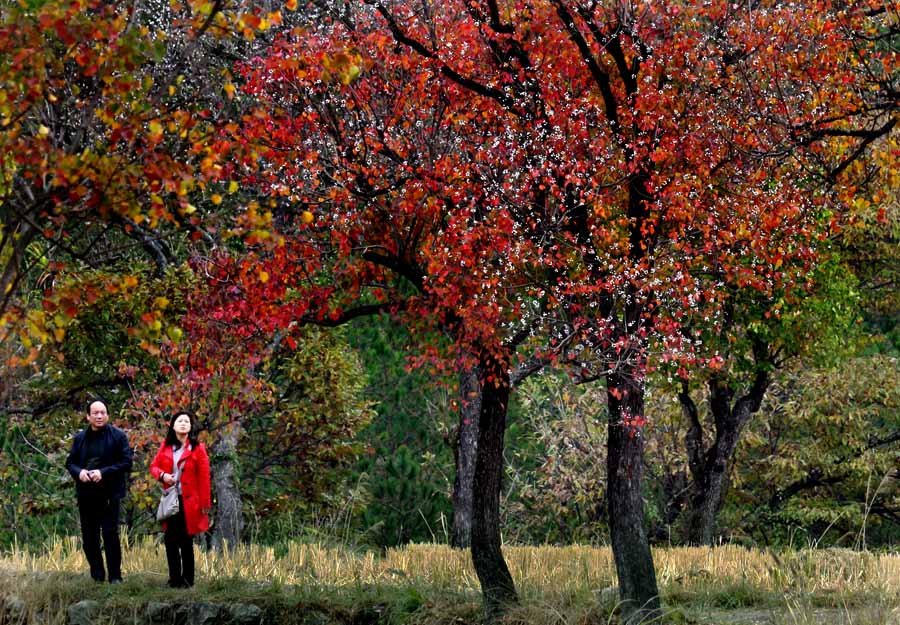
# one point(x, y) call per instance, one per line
point(115, 462)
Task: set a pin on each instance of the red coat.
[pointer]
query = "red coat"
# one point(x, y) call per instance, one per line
point(195, 489)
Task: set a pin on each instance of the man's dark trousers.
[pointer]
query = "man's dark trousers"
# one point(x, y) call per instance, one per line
point(99, 513)
point(98, 502)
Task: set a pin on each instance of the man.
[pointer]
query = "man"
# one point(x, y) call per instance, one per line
point(99, 463)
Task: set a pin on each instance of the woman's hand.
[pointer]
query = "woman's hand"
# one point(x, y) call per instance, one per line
point(167, 479)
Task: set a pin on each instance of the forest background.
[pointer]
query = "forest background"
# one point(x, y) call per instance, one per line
point(195, 216)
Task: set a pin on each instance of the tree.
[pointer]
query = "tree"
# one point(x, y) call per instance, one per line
point(560, 466)
point(109, 141)
point(814, 320)
point(107, 133)
point(823, 456)
point(281, 407)
point(620, 166)
point(100, 349)
point(376, 173)
point(413, 415)
point(299, 446)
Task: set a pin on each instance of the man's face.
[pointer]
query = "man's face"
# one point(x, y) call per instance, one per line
point(98, 417)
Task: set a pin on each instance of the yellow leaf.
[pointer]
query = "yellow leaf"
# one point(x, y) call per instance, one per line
point(232, 186)
point(43, 131)
point(229, 90)
point(216, 199)
point(307, 217)
point(188, 209)
point(156, 128)
point(263, 276)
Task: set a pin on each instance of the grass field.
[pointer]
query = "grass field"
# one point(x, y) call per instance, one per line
point(432, 584)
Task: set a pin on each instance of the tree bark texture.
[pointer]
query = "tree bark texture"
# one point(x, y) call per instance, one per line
point(709, 468)
point(464, 450)
point(631, 547)
point(498, 590)
point(229, 519)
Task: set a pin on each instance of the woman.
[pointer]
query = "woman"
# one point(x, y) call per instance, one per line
point(182, 462)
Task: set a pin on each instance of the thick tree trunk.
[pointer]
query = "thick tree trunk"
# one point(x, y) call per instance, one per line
point(498, 590)
point(229, 520)
point(710, 469)
point(631, 547)
point(464, 451)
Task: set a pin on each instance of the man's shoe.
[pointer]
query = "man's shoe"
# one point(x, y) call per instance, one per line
point(116, 580)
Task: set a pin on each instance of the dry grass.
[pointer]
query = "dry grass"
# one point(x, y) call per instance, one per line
point(557, 584)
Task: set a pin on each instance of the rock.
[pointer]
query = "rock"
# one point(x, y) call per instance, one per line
point(244, 614)
point(159, 612)
point(82, 613)
point(182, 614)
point(14, 611)
point(203, 613)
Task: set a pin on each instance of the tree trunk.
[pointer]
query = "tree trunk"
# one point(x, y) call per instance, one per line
point(229, 521)
point(710, 470)
point(464, 451)
point(497, 588)
point(630, 545)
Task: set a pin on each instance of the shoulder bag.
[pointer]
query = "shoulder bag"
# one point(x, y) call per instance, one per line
point(168, 503)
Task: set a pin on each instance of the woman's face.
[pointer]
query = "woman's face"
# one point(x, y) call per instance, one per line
point(182, 424)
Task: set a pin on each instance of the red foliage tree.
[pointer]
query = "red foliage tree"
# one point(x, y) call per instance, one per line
point(610, 169)
point(383, 225)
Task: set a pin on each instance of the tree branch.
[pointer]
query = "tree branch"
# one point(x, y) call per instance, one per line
point(413, 274)
point(365, 310)
point(469, 83)
point(600, 76)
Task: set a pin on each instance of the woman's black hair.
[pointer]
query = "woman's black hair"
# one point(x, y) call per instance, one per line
point(172, 437)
